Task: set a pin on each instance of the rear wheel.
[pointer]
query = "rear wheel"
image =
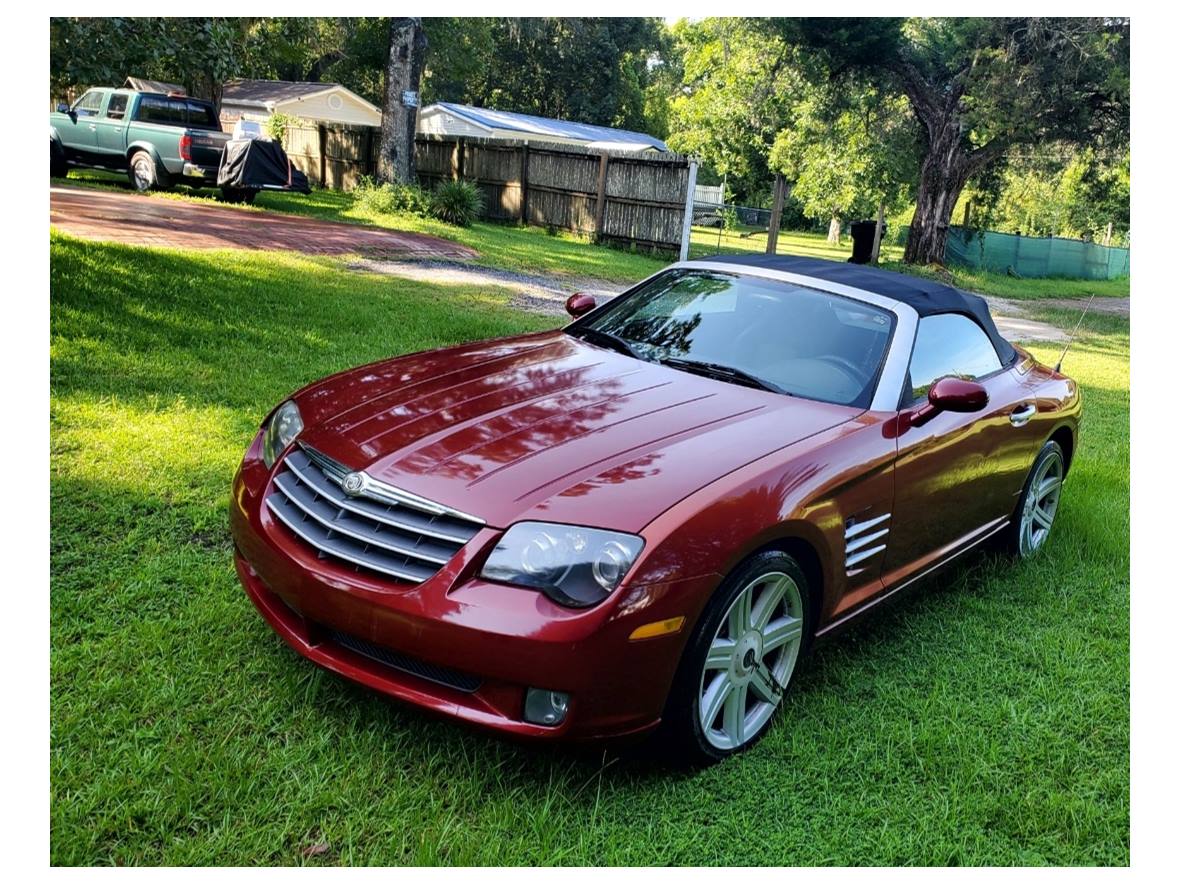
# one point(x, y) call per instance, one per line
point(1038, 503)
point(142, 172)
point(739, 663)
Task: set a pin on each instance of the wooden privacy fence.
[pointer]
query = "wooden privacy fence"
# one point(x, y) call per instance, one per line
point(610, 195)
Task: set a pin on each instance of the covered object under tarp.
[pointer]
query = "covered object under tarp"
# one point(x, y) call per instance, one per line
point(259, 165)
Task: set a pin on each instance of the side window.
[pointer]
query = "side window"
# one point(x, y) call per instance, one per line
point(153, 109)
point(117, 107)
point(89, 104)
point(949, 344)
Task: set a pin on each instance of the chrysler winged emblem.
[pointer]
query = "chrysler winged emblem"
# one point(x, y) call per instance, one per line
point(353, 484)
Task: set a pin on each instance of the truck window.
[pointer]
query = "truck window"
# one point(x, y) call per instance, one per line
point(165, 111)
point(89, 104)
point(117, 108)
point(201, 115)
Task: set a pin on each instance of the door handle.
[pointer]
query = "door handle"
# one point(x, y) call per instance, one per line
point(1021, 416)
point(92, 127)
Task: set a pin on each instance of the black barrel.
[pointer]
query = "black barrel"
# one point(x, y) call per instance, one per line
point(862, 241)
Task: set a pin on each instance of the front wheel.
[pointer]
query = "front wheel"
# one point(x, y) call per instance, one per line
point(1039, 501)
point(738, 665)
point(58, 167)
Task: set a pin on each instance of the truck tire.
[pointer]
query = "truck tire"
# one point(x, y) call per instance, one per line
point(58, 167)
point(142, 171)
point(145, 175)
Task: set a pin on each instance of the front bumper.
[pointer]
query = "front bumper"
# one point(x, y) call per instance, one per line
point(503, 639)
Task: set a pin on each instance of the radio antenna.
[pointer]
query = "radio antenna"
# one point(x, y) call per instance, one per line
point(1069, 340)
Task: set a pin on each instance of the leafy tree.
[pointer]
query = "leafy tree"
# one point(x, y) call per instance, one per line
point(737, 93)
point(847, 155)
point(978, 87)
point(198, 53)
point(593, 70)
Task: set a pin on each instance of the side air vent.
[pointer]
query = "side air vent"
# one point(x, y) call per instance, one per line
point(864, 539)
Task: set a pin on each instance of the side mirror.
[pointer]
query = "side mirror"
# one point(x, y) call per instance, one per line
point(63, 108)
point(579, 304)
point(949, 395)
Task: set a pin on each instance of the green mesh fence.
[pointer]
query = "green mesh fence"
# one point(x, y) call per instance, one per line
point(1036, 256)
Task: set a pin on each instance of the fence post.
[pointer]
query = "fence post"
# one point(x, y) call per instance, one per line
point(780, 197)
point(368, 163)
point(689, 196)
point(323, 132)
point(462, 156)
point(524, 183)
point(600, 208)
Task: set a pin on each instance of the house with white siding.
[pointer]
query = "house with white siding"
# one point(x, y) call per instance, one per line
point(318, 102)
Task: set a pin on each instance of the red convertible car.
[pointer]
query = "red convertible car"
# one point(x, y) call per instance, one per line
point(645, 518)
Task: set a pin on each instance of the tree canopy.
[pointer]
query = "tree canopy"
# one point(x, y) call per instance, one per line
point(1026, 117)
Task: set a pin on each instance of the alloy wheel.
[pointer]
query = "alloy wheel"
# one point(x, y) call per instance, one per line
point(1040, 504)
point(750, 660)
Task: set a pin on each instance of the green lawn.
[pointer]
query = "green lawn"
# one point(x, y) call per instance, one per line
point(981, 720)
point(711, 241)
point(531, 249)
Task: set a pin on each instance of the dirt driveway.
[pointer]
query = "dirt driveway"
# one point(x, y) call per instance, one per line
point(182, 224)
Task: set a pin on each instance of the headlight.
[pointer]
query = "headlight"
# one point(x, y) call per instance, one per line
point(285, 424)
point(571, 565)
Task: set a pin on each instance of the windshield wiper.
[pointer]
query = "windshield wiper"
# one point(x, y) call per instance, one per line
point(723, 373)
point(606, 339)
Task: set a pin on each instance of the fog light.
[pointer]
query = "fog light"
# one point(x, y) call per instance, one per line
point(545, 707)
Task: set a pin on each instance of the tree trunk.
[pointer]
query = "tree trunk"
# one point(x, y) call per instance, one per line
point(399, 113)
point(945, 170)
point(877, 231)
point(834, 230)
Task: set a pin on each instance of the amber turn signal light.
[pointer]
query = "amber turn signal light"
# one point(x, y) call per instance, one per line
point(658, 628)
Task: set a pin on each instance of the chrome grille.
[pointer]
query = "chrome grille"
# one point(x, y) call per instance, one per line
point(381, 529)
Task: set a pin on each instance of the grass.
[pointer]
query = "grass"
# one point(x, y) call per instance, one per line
point(981, 720)
point(531, 249)
point(1003, 286)
point(711, 241)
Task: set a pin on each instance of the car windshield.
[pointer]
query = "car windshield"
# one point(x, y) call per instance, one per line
point(749, 330)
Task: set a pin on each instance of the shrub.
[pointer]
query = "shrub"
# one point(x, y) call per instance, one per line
point(385, 198)
point(456, 202)
point(276, 127)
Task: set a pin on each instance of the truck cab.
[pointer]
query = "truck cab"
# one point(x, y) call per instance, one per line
point(159, 139)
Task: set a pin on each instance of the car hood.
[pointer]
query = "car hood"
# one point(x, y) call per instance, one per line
point(549, 427)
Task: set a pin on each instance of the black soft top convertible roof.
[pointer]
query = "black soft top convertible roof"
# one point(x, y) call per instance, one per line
point(927, 297)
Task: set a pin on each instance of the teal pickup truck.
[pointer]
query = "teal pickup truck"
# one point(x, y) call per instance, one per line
point(158, 139)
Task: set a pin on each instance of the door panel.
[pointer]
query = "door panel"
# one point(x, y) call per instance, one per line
point(957, 473)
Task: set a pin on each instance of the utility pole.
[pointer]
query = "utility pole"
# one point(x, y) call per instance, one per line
point(399, 113)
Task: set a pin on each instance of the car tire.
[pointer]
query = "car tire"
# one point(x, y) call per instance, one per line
point(1038, 504)
point(720, 707)
point(142, 172)
point(58, 167)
